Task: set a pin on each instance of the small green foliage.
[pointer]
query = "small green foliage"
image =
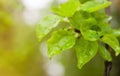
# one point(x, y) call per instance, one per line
point(46, 25)
point(112, 41)
point(90, 30)
point(79, 18)
point(67, 9)
point(87, 26)
point(85, 51)
point(61, 40)
point(105, 53)
point(92, 6)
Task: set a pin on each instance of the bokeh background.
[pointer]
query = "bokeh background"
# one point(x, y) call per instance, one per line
point(22, 55)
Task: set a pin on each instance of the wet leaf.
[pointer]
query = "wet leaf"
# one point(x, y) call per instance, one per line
point(85, 50)
point(105, 53)
point(46, 25)
point(112, 41)
point(60, 41)
point(90, 30)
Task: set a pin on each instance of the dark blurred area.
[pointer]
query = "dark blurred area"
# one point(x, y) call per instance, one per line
point(20, 53)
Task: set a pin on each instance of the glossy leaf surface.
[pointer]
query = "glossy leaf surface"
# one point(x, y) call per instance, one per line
point(85, 51)
point(46, 25)
point(105, 53)
point(112, 41)
point(61, 40)
point(90, 30)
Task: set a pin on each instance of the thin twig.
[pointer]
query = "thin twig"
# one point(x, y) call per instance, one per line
point(108, 65)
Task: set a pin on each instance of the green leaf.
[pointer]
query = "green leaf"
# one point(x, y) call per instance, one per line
point(85, 50)
point(67, 9)
point(92, 6)
point(112, 41)
point(105, 53)
point(61, 40)
point(90, 34)
point(75, 20)
point(90, 30)
point(78, 18)
point(105, 28)
point(102, 22)
point(46, 25)
point(101, 16)
point(83, 1)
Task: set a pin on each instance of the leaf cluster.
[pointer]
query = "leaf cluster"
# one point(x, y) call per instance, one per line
point(88, 30)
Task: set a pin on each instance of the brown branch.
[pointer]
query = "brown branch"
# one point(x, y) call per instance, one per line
point(108, 65)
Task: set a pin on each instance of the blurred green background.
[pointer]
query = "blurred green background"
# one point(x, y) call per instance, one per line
point(22, 55)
